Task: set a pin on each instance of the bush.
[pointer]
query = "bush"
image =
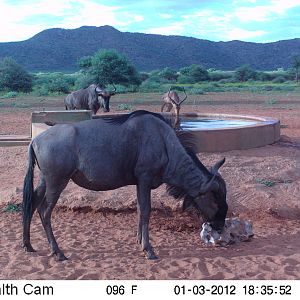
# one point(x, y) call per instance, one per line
point(12, 207)
point(54, 83)
point(13, 77)
point(168, 74)
point(11, 94)
point(278, 79)
point(220, 75)
point(196, 73)
point(196, 91)
point(40, 91)
point(184, 79)
point(150, 86)
point(244, 73)
point(84, 80)
point(228, 80)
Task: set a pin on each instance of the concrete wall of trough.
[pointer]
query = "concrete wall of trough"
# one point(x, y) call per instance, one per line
point(266, 131)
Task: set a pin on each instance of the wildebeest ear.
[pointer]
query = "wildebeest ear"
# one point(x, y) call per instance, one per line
point(214, 170)
point(187, 203)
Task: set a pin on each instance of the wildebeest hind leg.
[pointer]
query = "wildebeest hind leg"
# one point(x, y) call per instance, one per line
point(45, 211)
point(144, 207)
point(39, 194)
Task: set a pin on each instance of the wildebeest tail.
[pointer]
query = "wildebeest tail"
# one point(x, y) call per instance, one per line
point(28, 189)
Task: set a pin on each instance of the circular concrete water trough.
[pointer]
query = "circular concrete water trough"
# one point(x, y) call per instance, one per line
point(222, 132)
point(225, 132)
point(212, 132)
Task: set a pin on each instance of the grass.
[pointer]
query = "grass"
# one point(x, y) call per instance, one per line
point(125, 106)
point(265, 182)
point(130, 101)
point(12, 208)
point(270, 102)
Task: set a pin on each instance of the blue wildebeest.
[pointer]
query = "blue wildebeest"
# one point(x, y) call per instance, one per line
point(88, 99)
point(136, 149)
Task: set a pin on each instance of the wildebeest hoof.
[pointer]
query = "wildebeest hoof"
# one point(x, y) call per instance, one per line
point(60, 256)
point(28, 248)
point(150, 255)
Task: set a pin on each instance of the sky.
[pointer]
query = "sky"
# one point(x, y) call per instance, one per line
point(258, 21)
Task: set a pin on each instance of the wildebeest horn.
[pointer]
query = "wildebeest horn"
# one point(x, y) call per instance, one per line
point(114, 91)
point(211, 185)
point(217, 166)
point(98, 89)
point(184, 97)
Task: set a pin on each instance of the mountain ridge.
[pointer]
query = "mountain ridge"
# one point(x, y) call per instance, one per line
point(58, 49)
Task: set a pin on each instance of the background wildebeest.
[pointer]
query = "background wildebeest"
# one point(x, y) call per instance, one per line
point(88, 99)
point(136, 149)
point(172, 100)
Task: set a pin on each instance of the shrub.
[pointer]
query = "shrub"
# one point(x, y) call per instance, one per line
point(13, 77)
point(12, 207)
point(278, 79)
point(220, 75)
point(184, 79)
point(11, 94)
point(83, 80)
point(168, 74)
point(196, 73)
point(244, 73)
point(54, 82)
point(150, 86)
point(196, 91)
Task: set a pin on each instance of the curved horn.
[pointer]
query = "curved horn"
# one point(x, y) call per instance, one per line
point(184, 97)
point(98, 89)
point(114, 91)
point(211, 185)
point(172, 100)
point(217, 166)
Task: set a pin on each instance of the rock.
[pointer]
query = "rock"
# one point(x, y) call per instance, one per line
point(235, 230)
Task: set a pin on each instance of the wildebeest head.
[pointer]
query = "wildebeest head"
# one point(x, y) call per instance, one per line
point(105, 97)
point(211, 200)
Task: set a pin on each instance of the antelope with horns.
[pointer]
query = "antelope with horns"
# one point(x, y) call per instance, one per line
point(172, 100)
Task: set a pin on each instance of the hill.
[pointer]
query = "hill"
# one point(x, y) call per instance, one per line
point(59, 49)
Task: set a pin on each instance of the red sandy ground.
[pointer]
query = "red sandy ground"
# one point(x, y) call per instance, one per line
point(97, 229)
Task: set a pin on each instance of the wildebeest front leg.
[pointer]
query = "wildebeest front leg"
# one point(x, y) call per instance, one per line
point(144, 209)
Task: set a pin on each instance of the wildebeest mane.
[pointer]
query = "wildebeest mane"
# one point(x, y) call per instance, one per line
point(119, 120)
point(187, 139)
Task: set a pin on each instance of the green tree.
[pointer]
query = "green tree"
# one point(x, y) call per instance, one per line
point(54, 82)
point(168, 74)
point(244, 73)
point(84, 63)
point(296, 66)
point(108, 67)
point(193, 73)
point(13, 77)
